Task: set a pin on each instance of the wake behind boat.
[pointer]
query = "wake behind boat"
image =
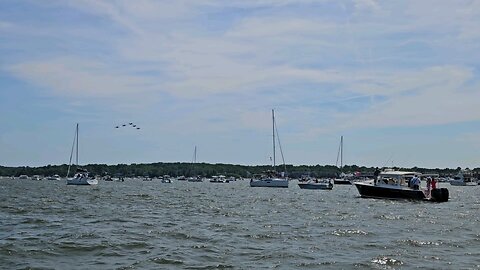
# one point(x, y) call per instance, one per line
point(395, 185)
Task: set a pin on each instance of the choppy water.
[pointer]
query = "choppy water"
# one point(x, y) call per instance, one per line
point(183, 225)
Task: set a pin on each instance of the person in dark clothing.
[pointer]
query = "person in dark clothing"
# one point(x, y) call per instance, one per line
point(375, 175)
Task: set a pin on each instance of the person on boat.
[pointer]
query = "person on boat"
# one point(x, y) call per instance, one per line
point(415, 182)
point(375, 175)
point(429, 182)
point(433, 183)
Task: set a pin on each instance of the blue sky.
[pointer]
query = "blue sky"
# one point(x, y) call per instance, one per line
point(398, 79)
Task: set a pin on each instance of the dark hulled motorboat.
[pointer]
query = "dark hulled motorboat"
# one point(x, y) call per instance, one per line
point(394, 185)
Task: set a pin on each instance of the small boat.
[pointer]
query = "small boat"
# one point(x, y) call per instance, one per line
point(394, 185)
point(36, 178)
point(317, 184)
point(166, 180)
point(81, 177)
point(219, 179)
point(270, 178)
point(23, 176)
point(55, 177)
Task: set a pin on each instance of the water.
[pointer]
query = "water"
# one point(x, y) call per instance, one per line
point(152, 225)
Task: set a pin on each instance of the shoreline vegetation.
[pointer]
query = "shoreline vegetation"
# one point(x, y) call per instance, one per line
point(176, 169)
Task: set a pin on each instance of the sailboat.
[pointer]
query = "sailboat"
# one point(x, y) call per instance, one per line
point(81, 176)
point(343, 178)
point(270, 178)
point(194, 178)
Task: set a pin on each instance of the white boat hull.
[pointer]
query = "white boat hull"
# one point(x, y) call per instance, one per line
point(82, 181)
point(269, 182)
point(461, 183)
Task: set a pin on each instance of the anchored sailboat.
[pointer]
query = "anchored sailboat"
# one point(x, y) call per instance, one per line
point(81, 176)
point(270, 178)
point(342, 180)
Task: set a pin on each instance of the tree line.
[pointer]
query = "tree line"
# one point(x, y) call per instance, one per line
point(207, 170)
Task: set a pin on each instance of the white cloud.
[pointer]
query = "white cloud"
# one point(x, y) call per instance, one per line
point(72, 77)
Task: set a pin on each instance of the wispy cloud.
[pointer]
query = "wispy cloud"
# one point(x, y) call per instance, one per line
point(330, 66)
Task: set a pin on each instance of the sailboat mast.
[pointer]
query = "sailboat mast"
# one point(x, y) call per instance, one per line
point(273, 135)
point(341, 152)
point(77, 147)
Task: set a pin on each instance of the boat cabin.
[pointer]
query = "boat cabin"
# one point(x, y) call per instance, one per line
point(396, 178)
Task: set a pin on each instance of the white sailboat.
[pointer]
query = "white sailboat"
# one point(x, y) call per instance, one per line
point(194, 178)
point(271, 178)
point(342, 179)
point(81, 177)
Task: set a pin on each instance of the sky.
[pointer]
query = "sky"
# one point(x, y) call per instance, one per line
point(399, 80)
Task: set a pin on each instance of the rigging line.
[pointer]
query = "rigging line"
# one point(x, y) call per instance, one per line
point(280, 146)
point(71, 153)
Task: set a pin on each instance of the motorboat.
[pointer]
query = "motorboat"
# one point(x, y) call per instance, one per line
point(463, 178)
point(395, 185)
point(317, 184)
point(55, 177)
point(219, 179)
point(166, 180)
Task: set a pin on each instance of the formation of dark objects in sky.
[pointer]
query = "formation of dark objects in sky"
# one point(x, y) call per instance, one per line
point(132, 125)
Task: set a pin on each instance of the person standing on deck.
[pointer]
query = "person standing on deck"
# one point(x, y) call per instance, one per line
point(375, 175)
point(433, 183)
point(415, 182)
point(429, 182)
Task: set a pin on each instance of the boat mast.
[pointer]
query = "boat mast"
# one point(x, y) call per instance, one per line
point(341, 152)
point(77, 146)
point(273, 135)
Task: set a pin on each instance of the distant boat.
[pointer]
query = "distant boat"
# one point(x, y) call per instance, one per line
point(194, 178)
point(36, 178)
point(270, 178)
point(81, 177)
point(23, 176)
point(342, 180)
point(394, 185)
point(55, 177)
point(219, 179)
point(167, 180)
point(317, 184)
point(463, 178)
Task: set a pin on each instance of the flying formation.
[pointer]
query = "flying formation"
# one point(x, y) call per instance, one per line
point(128, 125)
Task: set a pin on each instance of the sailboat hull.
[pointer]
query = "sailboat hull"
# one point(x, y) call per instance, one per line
point(269, 182)
point(82, 181)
